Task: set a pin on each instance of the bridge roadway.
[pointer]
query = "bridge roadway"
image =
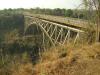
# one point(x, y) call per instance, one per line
point(71, 22)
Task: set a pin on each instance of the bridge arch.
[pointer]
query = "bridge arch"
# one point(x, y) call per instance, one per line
point(32, 29)
point(56, 33)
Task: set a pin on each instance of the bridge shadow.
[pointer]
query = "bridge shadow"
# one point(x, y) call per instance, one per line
point(30, 43)
point(33, 29)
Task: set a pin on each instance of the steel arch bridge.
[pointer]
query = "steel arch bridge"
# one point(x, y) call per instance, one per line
point(57, 33)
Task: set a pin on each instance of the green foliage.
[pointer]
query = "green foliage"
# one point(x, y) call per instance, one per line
point(69, 13)
point(10, 21)
point(12, 44)
point(94, 15)
point(60, 12)
point(25, 56)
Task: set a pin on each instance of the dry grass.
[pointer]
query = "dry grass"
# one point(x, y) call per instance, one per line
point(78, 61)
point(23, 69)
point(67, 60)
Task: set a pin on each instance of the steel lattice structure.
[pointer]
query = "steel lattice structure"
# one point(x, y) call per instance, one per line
point(56, 33)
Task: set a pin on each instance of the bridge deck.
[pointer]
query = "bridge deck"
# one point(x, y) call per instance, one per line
point(71, 22)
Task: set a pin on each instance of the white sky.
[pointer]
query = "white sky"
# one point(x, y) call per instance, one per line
point(39, 3)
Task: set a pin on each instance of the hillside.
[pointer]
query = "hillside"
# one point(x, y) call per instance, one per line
point(74, 61)
point(68, 60)
point(29, 51)
point(10, 21)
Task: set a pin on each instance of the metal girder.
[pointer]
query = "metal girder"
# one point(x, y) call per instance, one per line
point(63, 26)
point(58, 35)
point(47, 34)
point(77, 36)
point(61, 37)
point(53, 31)
point(49, 28)
point(68, 33)
point(43, 24)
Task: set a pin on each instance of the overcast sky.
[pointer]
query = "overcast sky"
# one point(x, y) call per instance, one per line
point(68, 4)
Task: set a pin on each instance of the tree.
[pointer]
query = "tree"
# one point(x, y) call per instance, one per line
point(94, 6)
point(63, 12)
point(58, 12)
point(69, 13)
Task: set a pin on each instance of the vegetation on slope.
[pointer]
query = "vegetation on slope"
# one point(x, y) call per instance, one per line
point(24, 56)
point(83, 60)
